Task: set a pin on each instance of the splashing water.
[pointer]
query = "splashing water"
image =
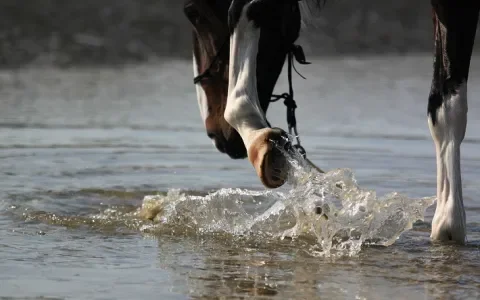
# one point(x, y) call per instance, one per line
point(329, 208)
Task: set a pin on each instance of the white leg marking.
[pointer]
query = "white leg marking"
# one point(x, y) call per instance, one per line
point(448, 133)
point(243, 111)
point(201, 96)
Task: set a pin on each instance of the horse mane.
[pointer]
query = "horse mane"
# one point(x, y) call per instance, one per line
point(310, 9)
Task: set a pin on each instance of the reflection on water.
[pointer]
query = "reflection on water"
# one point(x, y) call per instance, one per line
point(110, 189)
point(255, 269)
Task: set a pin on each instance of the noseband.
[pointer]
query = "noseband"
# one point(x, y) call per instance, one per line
point(296, 52)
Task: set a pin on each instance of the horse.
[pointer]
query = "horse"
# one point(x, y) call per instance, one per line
point(240, 47)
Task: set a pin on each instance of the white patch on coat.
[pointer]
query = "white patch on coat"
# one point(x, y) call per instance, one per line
point(448, 132)
point(243, 111)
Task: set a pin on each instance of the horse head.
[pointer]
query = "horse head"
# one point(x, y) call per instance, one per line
point(210, 19)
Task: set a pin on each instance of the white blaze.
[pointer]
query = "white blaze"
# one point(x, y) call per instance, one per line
point(201, 96)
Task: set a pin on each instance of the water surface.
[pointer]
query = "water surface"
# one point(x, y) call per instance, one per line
point(81, 150)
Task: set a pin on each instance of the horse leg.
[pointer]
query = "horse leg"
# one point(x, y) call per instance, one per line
point(455, 23)
point(243, 111)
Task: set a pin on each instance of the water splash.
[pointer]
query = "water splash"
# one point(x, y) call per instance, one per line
point(331, 209)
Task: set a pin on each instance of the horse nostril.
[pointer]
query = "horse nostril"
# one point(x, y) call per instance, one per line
point(218, 141)
point(211, 135)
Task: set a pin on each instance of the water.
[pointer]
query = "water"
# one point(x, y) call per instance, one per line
point(89, 156)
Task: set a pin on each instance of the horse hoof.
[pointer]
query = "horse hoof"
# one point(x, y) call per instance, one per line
point(269, 162)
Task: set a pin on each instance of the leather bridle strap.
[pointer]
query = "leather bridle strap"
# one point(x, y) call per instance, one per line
point(210, 30)
point(296, 52)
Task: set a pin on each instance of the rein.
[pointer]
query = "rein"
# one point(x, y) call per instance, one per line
point(296, 52)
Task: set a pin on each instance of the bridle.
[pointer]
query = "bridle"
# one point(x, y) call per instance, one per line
point(296, 52)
